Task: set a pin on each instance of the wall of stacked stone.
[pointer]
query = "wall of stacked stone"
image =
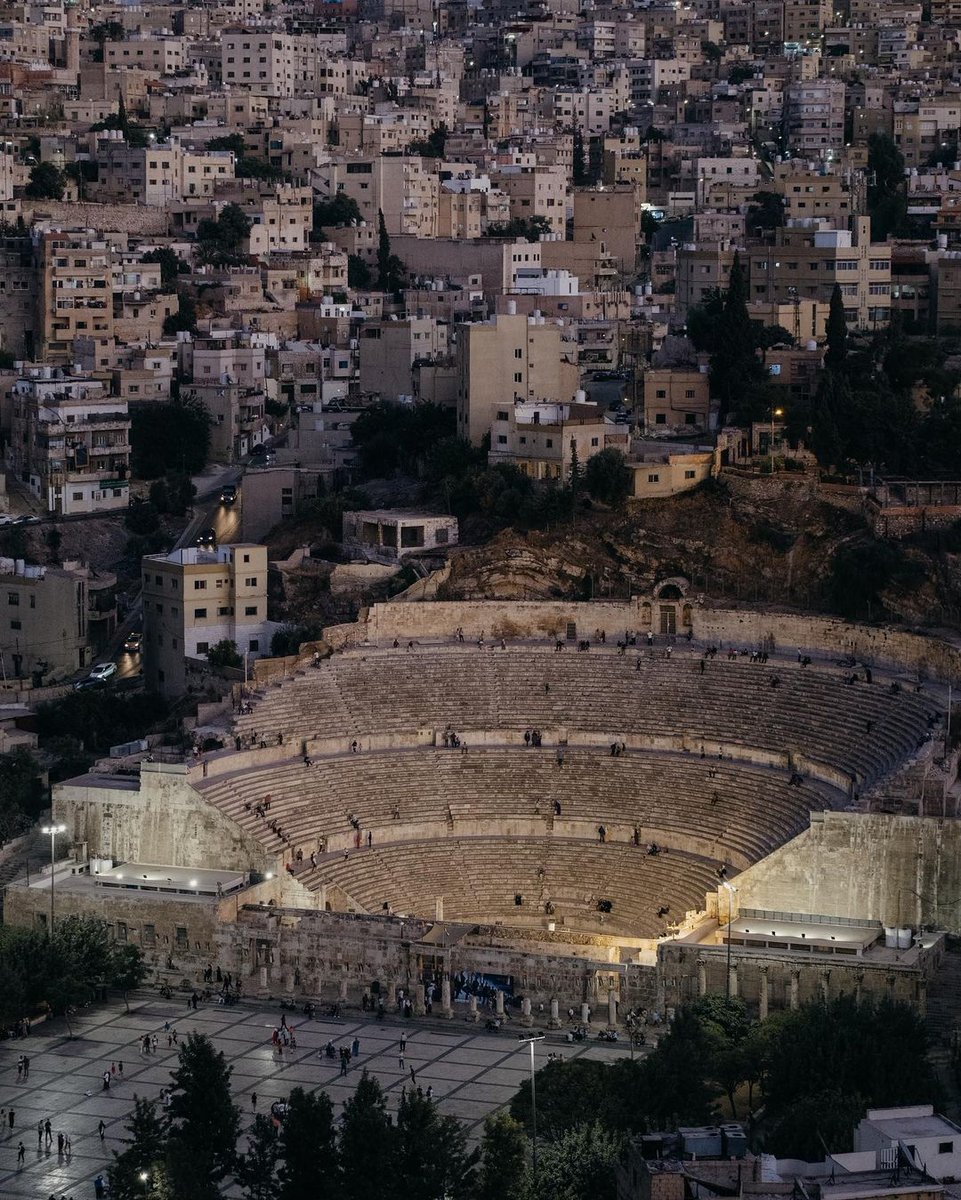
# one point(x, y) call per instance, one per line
point(822, 636)
point(909, 520)
point(899, 870)
point(107, 218)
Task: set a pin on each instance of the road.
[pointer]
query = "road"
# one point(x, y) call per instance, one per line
point(208, 513)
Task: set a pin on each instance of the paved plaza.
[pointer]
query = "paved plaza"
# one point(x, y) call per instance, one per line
point(471, 1072)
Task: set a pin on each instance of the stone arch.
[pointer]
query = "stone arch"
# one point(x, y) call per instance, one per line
point(674, 588)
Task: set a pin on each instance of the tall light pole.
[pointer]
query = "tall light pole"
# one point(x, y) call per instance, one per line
point(775, 412)
point(730, 889)
point(53, 830)
point(537, 1037)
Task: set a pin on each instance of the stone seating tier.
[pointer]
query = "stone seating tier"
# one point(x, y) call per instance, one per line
point(813, 711)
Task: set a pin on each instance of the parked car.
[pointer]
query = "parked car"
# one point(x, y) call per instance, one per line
point(99, 674)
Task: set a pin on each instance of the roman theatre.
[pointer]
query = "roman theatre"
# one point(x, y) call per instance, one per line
point(618, 804)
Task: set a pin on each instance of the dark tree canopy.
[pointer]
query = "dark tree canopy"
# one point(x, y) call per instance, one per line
point(171, 437)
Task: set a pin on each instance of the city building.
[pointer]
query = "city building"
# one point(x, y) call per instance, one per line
point(390, 535)
point(195, 598)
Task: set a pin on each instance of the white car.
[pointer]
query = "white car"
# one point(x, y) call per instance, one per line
point(103, 671)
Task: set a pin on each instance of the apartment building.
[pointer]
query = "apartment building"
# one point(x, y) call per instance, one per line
point(808, 260)
point(227, 372)
point(404, 188)
point(390, 349)
point(814, 118)
point(193, 599)
point(158, 55)
point(543, 439)
point(74, 285)
point(155, 174)
point(273, 64)
point(676, 400)
point(699, 272)
point(534, 191)
point(811, 190)
point(507, 359)
point(612, 216)
point(804, 20)
point(18, 297)
point(70, 442)
point(49, 618)
point(924, 128)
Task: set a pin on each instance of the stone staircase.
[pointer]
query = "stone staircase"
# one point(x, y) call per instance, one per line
point(943, 1022)
point(14, 858)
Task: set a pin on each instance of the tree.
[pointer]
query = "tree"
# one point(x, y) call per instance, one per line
point(54, 539)
point(887, 193)
point(21, 792)
point(390, 270)
point(765, 211)
point(148, 1132)
point(171, 265)
point(532, 228)
point(359, 274)
point(221, 239)
point(246, 165)
point(837, 332)
point(47, 182)
point(734, 364)
point(579, 1164)
point(224, 654)
point(433, 145)
point(504, 1156)
point(335, 213)
point(257, 1170)
point(204, 1122)
point(184, 320)
point(308, 1148)
point(608, 478)
point(368, 1142)
point(127, 969)
point(170, 437)
point(432, 1156)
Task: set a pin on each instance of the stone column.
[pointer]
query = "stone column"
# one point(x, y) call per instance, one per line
point(321, 895)
point(472, 1004)
point(824, 982)
point(343, 989)
point(445, 1000)
point(290, 982)
point(438, 908)
point(733, 980)
point(263, 978)
point(764, 998)
point(499, 1003)
point(585, 1013)
point(418, 999)
point(922, 997)
point(526, 1011)
point(701, 977)
point(611, 1007)
point(555, 1015)
point(795, 990)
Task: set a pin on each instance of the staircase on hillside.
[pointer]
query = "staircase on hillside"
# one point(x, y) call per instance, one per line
point(943, 1020)
point(13, 863)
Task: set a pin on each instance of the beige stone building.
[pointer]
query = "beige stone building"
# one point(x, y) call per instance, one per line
point(70, 442)
point(676, 399)
point(808, 260)
point(814, 117)
point(612, 216)
point(506, 359)
point(390, 349)
point(542, 440)
point(74, 292)
point(813, 191)
point(389, 535)
point(193, 599)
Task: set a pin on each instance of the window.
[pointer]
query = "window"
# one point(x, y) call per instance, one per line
point(200, 613)
point(121, 931)
point(661, 394)
point(13, 598)
point(246, 558)
point(595, 441)
point(518, 353)
point(653, 479)
point(78, 495)
point(149, 935)
point(660, 418)
point(502, 439)
point(501, 415)
point(203, 647)
point(180, 937)
point(251, 581)
point(518, 377)
point(690, 418)
point(945, 1147)
point(689, 394)
point(254, 644)
point(688, 474)
point(16, 625)
point(200, 585)
point(250, 610)
point(549, 443)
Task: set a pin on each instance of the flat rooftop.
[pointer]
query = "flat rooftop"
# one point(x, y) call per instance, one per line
point(146, 877)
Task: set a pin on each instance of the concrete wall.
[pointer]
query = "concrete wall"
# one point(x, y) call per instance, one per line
point(864, 865)
point(163, 821)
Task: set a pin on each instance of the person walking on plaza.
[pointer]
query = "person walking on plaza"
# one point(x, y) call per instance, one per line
point(21, 1153)
point(102, 1129)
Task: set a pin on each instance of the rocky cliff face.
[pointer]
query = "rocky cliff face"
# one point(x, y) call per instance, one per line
point(762, 540)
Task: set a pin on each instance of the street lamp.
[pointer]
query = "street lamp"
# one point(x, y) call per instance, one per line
point(53, 830)
point(537, 1037)
point(730, 889)
point(144, 1178)
point(775, 412)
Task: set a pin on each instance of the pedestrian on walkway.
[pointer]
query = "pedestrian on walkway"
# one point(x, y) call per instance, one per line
point(39, 1135)
point(253, 1100)
point(403, 1042)
point(21, 1152)
point(102, 1129)
point(48, 1131)
point(10, 1118)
